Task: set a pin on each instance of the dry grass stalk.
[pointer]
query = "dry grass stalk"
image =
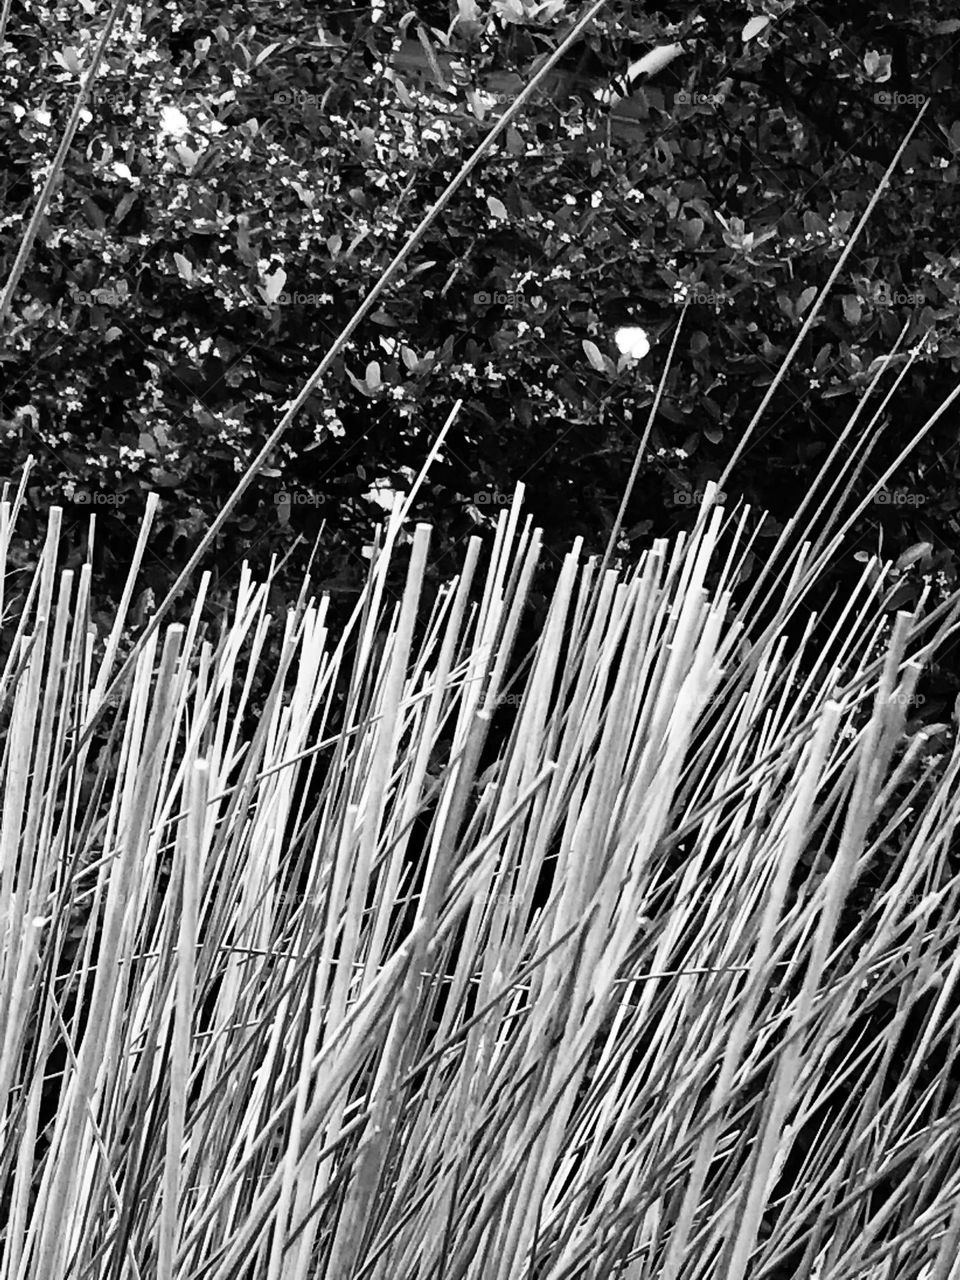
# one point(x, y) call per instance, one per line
point(207, 1069)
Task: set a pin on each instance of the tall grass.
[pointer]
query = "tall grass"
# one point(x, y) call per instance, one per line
point(665, 991)
point(627, 1025)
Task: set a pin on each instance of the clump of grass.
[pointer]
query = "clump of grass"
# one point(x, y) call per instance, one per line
point(625, 1027)
point(617, 1011)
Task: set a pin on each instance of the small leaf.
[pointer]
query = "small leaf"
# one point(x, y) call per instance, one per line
point(759, 22)
point(852, 311)
point(69, 58)
point(903, 593)
point(360, 386)
point(123, 208)
point(877, 65)
point(803, 302)
point(264, 54)
point(594, 355)
point(476, 105)
point(94, 214)
point(368, 140)
point(357, 239)
point(372, 376)
point(184, 266)
point(188, 156)
point(913, 554)
point(273, 285)
point(245, 248)
point(497, 208)
point(514, 143)
point(653, 61)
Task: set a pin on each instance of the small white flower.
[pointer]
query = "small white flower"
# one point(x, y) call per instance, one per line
point(632, 341)
point(173, 122)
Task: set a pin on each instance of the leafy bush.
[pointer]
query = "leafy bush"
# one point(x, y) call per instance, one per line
point(149, 348)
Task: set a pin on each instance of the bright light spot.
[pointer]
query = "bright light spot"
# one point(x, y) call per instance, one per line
point(632, 341)
point(382, 494)
point(174, 122)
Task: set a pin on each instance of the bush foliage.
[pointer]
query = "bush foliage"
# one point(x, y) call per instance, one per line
point(241, 177)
